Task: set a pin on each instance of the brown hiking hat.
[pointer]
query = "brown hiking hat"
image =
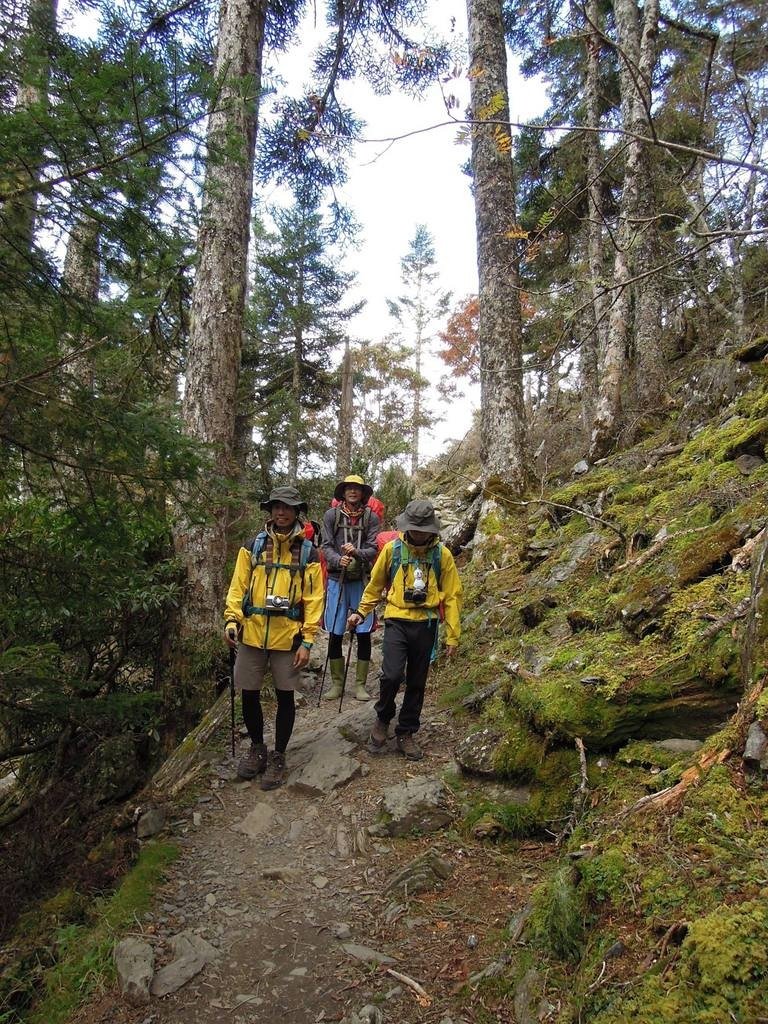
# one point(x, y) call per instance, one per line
point(358, 482)
point(286, 495)
point(419, 515)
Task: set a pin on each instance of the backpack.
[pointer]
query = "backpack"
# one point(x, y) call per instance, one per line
point(374, 504)
point(312, 533)
point(385, 537)
point(257, 547)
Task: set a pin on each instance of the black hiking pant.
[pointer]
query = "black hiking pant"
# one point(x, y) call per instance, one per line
point(406, 652)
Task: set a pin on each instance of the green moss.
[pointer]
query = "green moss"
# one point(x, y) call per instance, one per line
point(647, 755)
point(721, 975)
point(602, 877)
point(558, 918)
point(85, 952)
point(707, 553)
point(512, 821)
point(520, 753)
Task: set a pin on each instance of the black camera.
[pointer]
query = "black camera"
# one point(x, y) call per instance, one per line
point(277, 603)
point(415, 596)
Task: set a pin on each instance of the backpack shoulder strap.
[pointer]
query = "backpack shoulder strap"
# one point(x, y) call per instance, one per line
point(306, 551)
point(257, 547)
point(397, 558)
point(336, 519)
point(366, 518)
point(437, 561)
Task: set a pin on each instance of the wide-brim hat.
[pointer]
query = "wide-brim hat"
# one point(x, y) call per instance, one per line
point(419, 515)
point(286, 495)
point(358, 482)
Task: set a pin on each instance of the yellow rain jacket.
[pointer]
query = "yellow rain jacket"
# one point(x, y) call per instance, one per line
point(445, 599)
point(277, 574)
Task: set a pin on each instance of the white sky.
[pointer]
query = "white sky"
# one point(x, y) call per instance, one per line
point(416, 180)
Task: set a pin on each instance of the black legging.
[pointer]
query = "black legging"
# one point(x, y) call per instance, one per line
point(363, 646)
point(253, 717)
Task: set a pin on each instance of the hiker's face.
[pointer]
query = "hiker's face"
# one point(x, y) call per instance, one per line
point(353, 494)
point(283, 516)
point(420, 538)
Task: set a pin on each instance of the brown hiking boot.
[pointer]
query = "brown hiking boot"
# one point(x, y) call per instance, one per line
point(254, 762)
point(378, 738)
point(408, 746)
point(274, 776)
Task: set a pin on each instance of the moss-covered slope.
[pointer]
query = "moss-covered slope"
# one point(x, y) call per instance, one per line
point(609, 611)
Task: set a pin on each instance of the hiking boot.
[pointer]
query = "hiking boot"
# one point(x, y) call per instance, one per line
point(361, 674)
point(378, 738)
point(337, 675)
point(408, 746)
point(274, 776)
point(254, 762)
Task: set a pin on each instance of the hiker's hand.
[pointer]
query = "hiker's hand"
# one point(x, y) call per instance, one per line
point(450, 652)
point(348, 549)
point(346, 560)
point(230, 636)
point(301, 658)
point(354, 621)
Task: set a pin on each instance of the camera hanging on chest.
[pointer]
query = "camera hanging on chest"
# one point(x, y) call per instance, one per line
point(262, 558)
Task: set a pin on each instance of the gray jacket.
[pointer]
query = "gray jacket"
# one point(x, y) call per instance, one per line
point(362, 534)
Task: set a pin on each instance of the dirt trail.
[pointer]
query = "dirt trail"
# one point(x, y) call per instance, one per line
point(282, 899)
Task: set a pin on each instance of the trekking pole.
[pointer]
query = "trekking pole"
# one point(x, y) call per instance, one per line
point(346, 666)
point(232, 656)
point(335, 620)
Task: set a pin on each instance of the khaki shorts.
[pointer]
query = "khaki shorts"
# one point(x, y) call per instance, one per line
point(251, 666)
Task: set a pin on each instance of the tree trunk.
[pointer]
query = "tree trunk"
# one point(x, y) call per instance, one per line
point(637, 63)
point(346, 413)
point(594, 343)
point(502, 416)
point(416, 404)
point(82, 275)
point(294, 418)
point(650, 363)
point(218, 295)
point(20, 214)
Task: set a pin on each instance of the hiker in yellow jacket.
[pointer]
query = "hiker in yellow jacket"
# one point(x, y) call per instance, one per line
point(274, 604)
point(423, 586)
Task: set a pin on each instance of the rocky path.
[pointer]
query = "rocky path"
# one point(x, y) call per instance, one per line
point(300, 905)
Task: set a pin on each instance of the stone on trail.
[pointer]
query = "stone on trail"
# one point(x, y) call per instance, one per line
point(420, 804)
point(369, 1014)
point(175, 974)
point(425, 872)
point(257, 822)
point(134, 961)
point(189, 943)
point(366, 954)
point(327, 767)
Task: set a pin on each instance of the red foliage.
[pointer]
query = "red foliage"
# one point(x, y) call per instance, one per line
point(461, 340)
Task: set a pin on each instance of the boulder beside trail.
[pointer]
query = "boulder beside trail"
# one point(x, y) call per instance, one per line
point(134, 961)
point(420, 805)
point(475, 753)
